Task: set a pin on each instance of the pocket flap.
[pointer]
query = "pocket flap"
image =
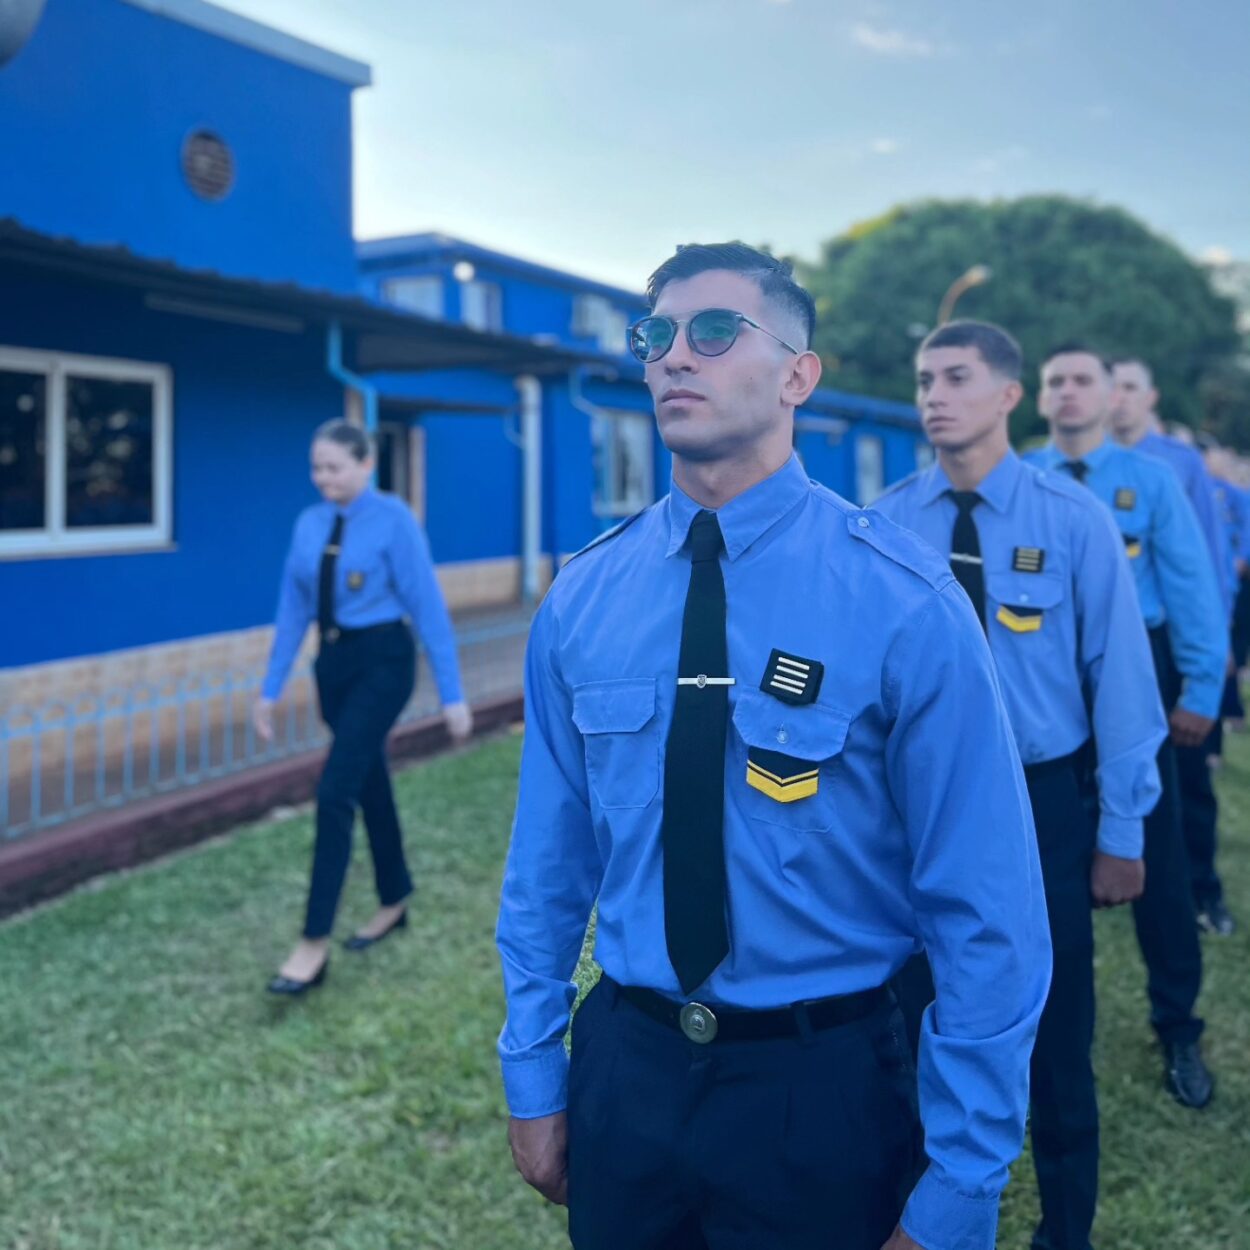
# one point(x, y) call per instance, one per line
point(1025, 591)
point(809, 732)
point(614, 707)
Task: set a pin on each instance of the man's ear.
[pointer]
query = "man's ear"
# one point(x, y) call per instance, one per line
point(802, 379)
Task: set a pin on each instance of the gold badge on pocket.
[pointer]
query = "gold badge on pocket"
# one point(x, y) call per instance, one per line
point(1132, 546)
point(1126, 499)
point(1020, 620)
point(355, 581)
point(781, 777)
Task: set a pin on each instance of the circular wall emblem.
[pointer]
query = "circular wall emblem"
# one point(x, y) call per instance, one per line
point(208, 165)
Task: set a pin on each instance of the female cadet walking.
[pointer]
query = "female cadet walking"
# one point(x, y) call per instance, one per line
point(360, 566)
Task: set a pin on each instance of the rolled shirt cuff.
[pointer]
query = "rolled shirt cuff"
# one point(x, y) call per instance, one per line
point(1203, 698)
point(536, 1083)
point(942, 1218)
point(1121, 836)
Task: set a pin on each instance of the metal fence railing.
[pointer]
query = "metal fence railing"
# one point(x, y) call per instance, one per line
point(66, 758)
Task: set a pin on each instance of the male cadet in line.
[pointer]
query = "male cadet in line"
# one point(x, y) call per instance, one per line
point(1046, 572)
point(1134, 423)
point(763, 730)
point(1180, 600)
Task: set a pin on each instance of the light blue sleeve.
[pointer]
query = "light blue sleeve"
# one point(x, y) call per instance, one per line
point(1118, 671)
point(296, 610)
point(1201, 493)
point(550, 883)
point(1241, 501)
point(1190, 592)
point(955, 777)
point(416, 587)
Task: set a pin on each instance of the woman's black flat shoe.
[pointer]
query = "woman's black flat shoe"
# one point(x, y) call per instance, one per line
point(292, 987)
point(358, 943)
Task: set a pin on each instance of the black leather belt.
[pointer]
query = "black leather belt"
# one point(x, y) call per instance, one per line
point(338, 634)
point(703, 1023)
point(1065, 763)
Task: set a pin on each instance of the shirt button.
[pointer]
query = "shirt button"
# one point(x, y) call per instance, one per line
point(863, 522)
point(783, 736)
point(1024, 598)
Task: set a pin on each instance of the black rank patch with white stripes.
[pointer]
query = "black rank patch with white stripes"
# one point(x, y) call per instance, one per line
point(1126, 499)
point(1028, 559)
point(791, 678)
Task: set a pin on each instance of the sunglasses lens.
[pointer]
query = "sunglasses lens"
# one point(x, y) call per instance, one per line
point(651, 338)
point(713, 331)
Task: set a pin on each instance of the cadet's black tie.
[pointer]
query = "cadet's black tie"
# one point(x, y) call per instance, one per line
point(692, 831)
point(1078, 468)
point(325, 586)
point(966, 551)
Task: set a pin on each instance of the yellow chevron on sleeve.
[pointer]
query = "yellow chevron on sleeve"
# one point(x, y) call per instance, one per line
point(1019, 624)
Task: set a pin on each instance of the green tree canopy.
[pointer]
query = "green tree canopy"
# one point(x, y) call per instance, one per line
point(1062, 269)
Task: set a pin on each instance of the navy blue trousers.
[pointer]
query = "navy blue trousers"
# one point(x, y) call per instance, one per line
point(1167, 927)
point(364, 681)
point(1064, 1104)
point(804, 1144)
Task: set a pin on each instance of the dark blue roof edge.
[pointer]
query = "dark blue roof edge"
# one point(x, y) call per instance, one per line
point(395, 249)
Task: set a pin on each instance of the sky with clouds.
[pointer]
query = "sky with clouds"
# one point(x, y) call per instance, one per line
point(596, 134)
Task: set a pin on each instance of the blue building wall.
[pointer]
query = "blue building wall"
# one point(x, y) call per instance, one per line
point(94, 112)
point(244, 405)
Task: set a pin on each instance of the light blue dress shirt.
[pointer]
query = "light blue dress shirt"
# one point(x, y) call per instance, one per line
point(1176, 584)
point(1233, 506)
point(1061, 618)
point(919, 833)
point(1200, 490)
point(384, 573)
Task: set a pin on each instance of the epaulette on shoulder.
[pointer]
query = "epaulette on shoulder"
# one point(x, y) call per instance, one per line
point(606, 537)
point(900, 546)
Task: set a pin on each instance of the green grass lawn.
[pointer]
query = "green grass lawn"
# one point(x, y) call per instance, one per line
point(152, 1097)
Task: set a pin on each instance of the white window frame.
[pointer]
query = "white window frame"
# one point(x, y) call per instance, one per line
point(625, 507)
point(433, 303)
point(491, 319)
point(56, 538)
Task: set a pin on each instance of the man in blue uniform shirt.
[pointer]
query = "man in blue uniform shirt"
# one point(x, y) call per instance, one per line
point(1180, 600)
point(1045, 570)
point(1134, 423)
point(764, 733)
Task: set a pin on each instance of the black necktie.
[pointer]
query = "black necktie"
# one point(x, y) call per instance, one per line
point(325, 586)
point(966, 551)
point(692, 830)
point(1078, 468)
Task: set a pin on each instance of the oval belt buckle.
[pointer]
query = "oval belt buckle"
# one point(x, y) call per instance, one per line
point(698, 1022)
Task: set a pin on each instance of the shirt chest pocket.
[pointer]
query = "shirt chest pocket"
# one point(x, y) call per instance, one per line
point(785, 767)
point(1024, 603)
point(621, 734)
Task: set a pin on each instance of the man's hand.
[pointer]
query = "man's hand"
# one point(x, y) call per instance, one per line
point(459, 721)
point(540, 1150)
point(1188, 728)
point(1114, 880)
point(262, 719)
point(899, 1240)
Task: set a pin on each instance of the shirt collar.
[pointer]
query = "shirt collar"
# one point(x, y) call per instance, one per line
point(1104, 450)
point(359, 504)
point(745, 517)
point(996, 488)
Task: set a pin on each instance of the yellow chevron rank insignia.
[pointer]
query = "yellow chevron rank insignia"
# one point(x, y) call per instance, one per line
point(1125, 499)
point(1132, 546)
point(355, 581)
point(1020, 620)
point(1028, 559)
point(781, 777)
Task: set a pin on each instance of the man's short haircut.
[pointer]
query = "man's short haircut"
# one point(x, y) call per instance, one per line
point(775, 278)
point(992, 343)
point(1075, 347)
point(1140, 363)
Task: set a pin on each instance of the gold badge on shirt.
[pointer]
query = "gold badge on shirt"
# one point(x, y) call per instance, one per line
point(781, 777)
point(1020, 620)
point(355, 581)
point(1126, 499)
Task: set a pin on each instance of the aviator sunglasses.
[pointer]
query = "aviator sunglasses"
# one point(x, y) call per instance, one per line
point(711, 332)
